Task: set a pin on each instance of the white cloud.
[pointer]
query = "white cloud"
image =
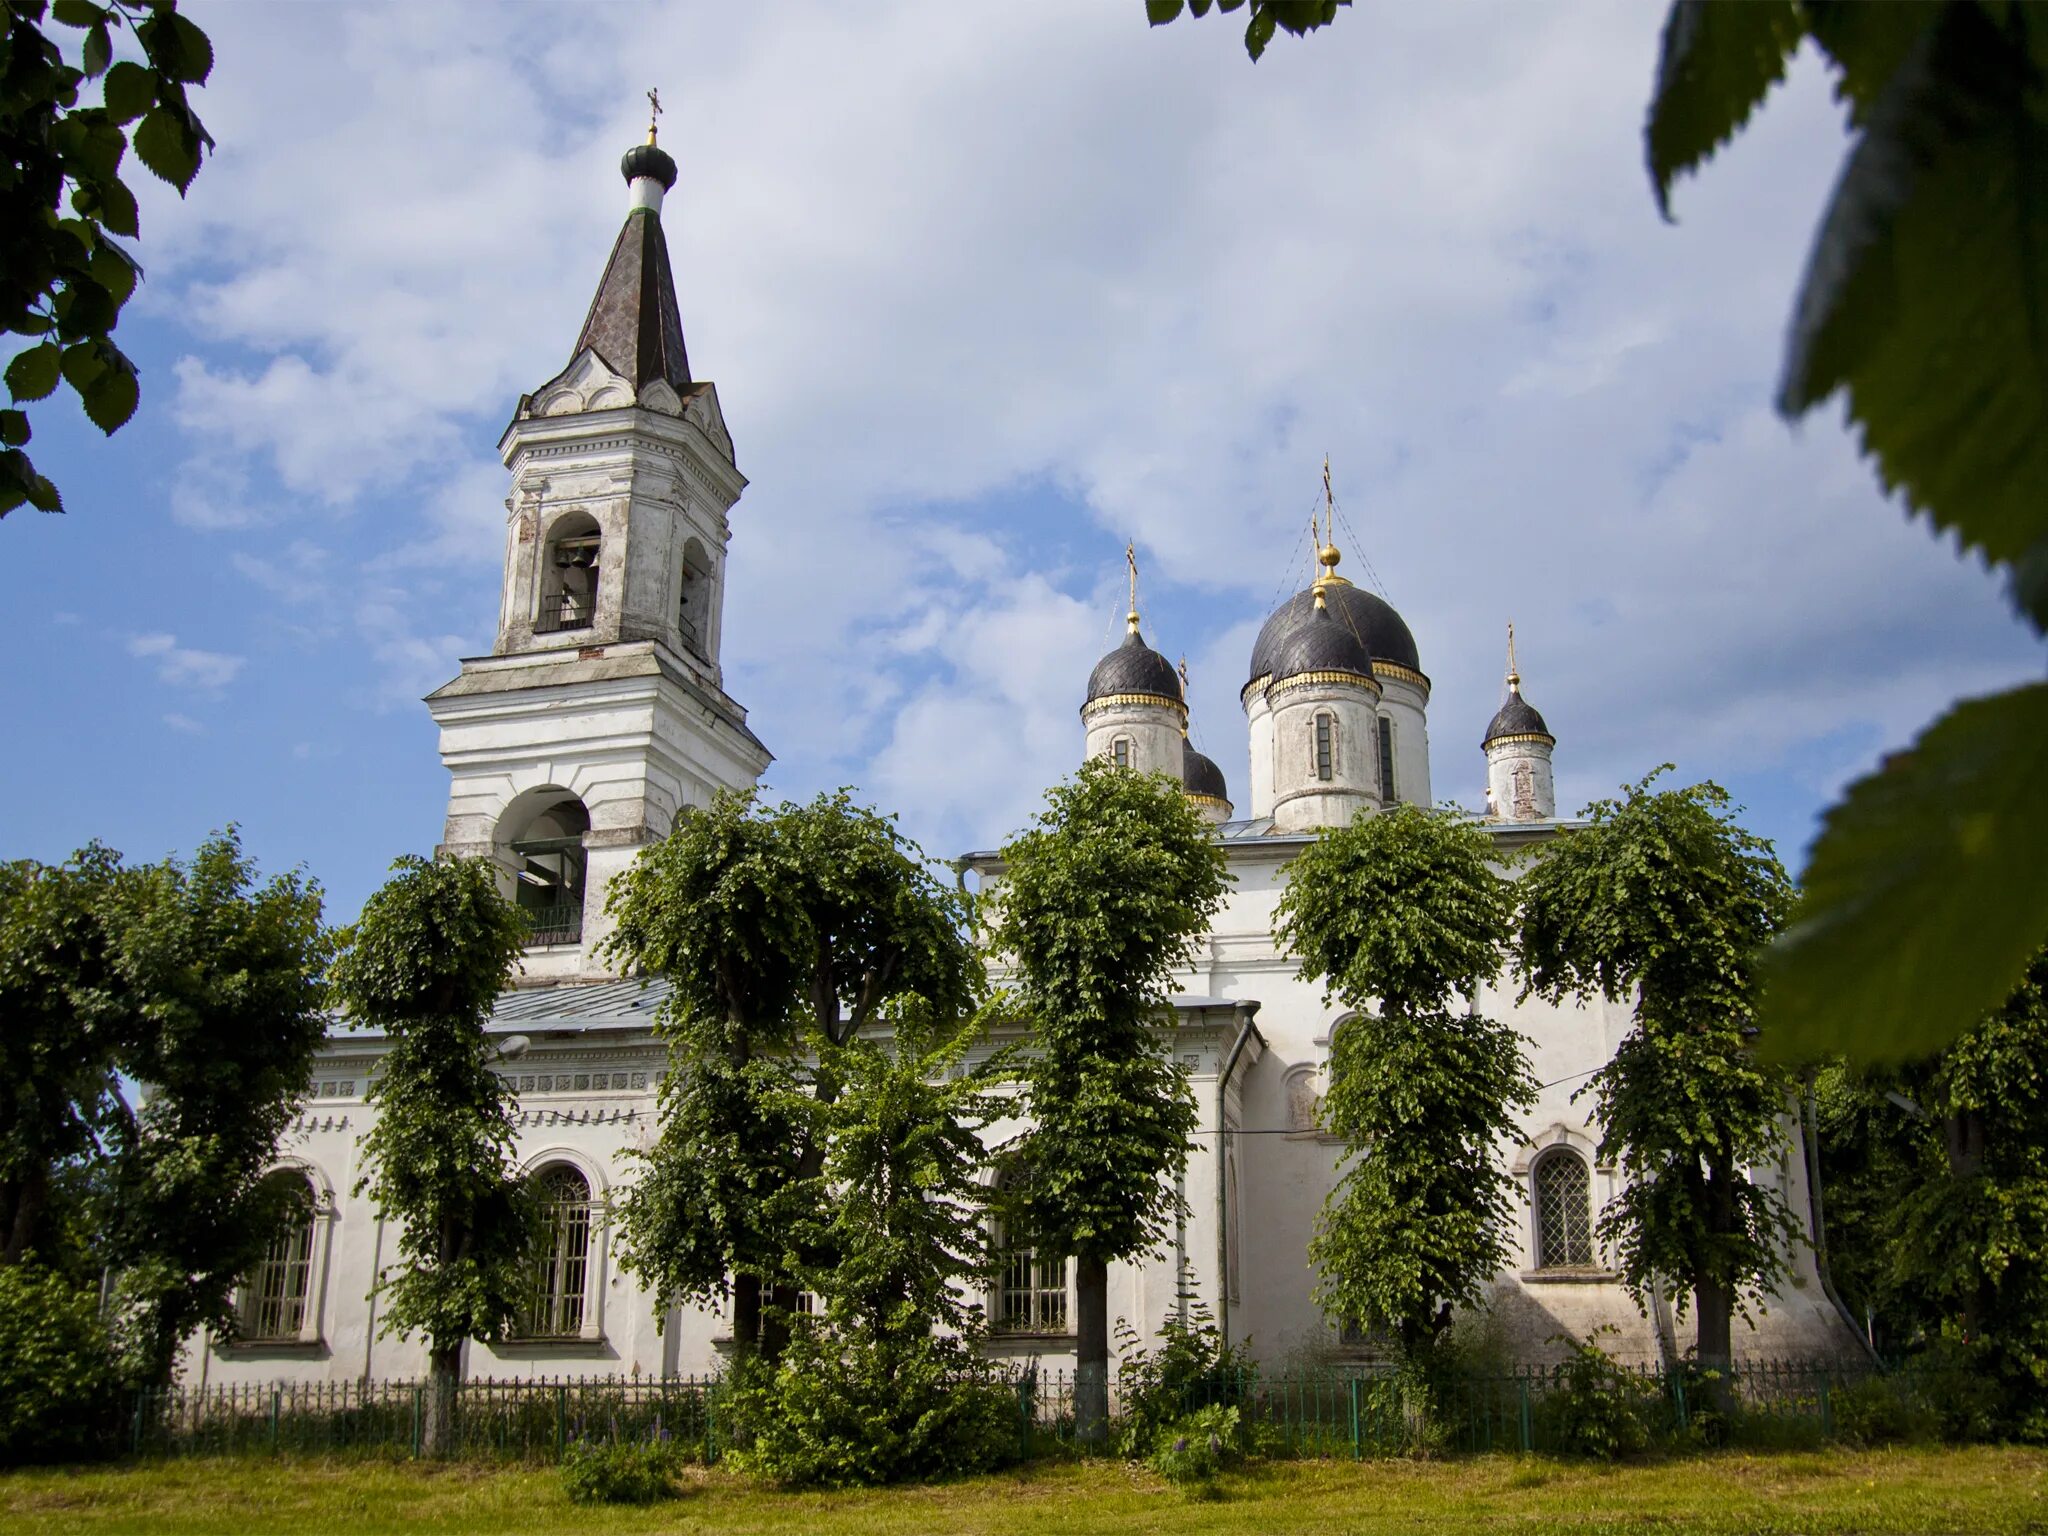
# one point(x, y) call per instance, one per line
point(184, 667)
point(937, 256)
point(184, 724)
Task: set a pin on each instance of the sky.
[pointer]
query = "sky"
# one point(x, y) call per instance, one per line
point(987, 291)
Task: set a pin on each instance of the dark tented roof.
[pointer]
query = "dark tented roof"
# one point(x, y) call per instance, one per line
point(1134, 667)
point(634, 324)
point(1370, 618)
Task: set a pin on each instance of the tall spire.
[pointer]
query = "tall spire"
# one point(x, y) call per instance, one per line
point(1327, 555)
point(634, 323)
point(1131, 560)
point(1514, 677)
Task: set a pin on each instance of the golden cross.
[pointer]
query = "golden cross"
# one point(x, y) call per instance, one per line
point(653, 111)
point(1514, 677)
point(1131, 560)
point(1329, 502)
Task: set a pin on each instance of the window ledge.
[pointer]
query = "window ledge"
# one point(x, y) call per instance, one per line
point(525, 1347)
point(1571, 1277)
point(1014, 1343)
point(277, 1348)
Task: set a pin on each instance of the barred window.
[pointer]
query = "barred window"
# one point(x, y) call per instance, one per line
point(1326, 747)
point(561, 1255)
point(1386, 759)
point(1031, 1287)
point(271, 1304)
point(1564, 1212)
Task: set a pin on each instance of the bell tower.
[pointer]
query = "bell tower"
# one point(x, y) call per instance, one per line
point(601, 711)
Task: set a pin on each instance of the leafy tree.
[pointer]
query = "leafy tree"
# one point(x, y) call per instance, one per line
point(1940, 1205)
point(1664, 897)
point(1100, 901)
point(892, 1242)
point(782, 935)
point(1299, 17)
point(204, 987)
point(64, 276)
point(59, 1394)
point(1405, 910)
point(434, 947)
point(1923, 898)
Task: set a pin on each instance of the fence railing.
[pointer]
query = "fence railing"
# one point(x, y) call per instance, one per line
point(1351, 1412)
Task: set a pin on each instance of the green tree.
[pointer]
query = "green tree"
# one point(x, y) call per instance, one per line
point(869, 1389)
point(425, 962)
point(1663, 897)
point(1100, 901)
point(1941, 1201)
point(1398, 915)
point(203, 986)
point(782, 935)
point(64, 276)
point(1924, 897)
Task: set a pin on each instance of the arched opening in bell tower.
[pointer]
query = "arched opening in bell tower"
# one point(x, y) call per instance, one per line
point(693, 610)
point(541, 835)
point(568, 595)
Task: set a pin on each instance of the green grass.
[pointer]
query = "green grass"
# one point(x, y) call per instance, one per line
point(1983, 1489)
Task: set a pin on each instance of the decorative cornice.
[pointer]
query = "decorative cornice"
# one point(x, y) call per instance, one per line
point(1111, 701)
point(1502, 741)
point(1256, 685)
point(1399, 673)
point(1327, 679)
point(1220, 804)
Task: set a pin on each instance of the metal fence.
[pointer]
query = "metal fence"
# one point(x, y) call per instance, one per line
point(1355, 1412)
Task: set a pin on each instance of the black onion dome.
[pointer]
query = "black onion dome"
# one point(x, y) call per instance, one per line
point(1517, 717)
point(1199, 775)
point(1321, 644)
point(649, 160)
point(1134, 667)
point(1372, 619)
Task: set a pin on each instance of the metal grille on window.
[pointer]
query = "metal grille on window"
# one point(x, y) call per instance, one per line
point(1386, 759)
point(1031, 1290)
point(1564, 1213)
point(1326, 732)
point(561, 1256)
point(273, 1298)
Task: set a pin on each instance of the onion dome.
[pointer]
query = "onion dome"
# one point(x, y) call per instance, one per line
point(1370, 620)
point(1320, 643)
point(1200, 776)
point(1134, 667)
point(1517, 716)
point(649, 159)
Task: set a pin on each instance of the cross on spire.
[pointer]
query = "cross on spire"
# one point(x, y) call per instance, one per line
point(653, 112)
point(1514, 676)
point(1131, 560)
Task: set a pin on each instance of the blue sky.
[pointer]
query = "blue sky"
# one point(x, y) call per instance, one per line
point(986, 290)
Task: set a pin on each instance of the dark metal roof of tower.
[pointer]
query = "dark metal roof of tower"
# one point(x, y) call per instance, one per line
point(634, 323)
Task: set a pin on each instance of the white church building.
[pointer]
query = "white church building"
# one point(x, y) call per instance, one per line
point(601, 715)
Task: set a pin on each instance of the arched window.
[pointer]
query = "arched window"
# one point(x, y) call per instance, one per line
point(693, 610)
point(1031, 1287)
point(1326, 747)
point(1564, 1211)
point(271, 1304)
point(1120, 751)
point(1387, 790)
point(568, 585)
point(546, 847)
point(561, 1255)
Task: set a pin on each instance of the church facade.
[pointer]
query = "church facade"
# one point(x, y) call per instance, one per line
point(601, 715)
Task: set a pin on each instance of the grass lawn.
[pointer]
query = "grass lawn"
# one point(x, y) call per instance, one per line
point(1974, 1490)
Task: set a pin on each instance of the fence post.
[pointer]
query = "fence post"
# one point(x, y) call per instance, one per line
point(276, 1402)
point(1357, 1447)
point(416, 1422)
point(1528, 1437)
point(561, 1422)
point(1678, 1396)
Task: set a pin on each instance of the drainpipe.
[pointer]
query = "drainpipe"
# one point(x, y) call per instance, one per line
point(1811, 1140)
point(1245, 1012)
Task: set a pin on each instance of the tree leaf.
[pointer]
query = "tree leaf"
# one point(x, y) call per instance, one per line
point(85, 362)
point(114, 206)
point(14, 430)
point(1926, 295)
point(111, 399)
point(77, 13)
point(1717, 64)
point(1159, 12)
point(166, 144)
point(33, 374)
point(195, 54)
point(98, 52)
point(1925, 896)
point(114, 271)
point(130, 91)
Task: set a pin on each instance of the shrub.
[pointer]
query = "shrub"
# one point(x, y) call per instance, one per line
point(1594, 1407)
point(841, 1413)
point(60, 1396)
point(630, 1472)
point(1190, 1452)
point(1192, 1368)
point(1884, 1410)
